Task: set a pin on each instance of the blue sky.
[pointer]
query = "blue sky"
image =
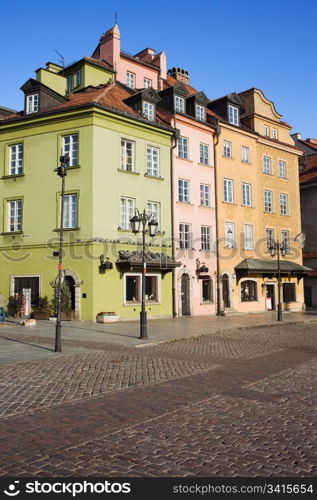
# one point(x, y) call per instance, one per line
point(227, 46)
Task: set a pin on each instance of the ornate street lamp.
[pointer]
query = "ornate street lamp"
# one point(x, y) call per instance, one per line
point(136, 221)
point(61, 172)
point(278, 248)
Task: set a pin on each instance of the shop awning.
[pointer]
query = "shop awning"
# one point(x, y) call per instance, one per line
point(155, 261)
point(269, 267)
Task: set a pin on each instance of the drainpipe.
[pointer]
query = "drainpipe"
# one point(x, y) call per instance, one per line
point(220, 311)
point(174, 139)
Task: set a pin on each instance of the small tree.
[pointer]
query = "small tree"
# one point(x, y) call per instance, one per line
point(66, 298)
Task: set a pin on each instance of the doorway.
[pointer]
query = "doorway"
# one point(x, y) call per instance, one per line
point(225, 290)
point(185, 289)
point(70, 283)
point(270, 297)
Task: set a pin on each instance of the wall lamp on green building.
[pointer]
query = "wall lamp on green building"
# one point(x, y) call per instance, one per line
point(104, 265)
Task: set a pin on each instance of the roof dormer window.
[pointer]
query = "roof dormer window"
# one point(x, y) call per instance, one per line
point(233, 115)
point(32, 103)
point(179, 104)
point(148, 110)
point(200, 113)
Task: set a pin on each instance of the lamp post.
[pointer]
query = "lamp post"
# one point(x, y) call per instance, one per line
point(61, 172)
point(146, 220)
point(278, 248)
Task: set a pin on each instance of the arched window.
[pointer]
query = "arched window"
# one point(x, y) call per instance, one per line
point(249, 291)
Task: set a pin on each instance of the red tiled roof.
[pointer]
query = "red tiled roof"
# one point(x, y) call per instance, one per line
point(310, 171)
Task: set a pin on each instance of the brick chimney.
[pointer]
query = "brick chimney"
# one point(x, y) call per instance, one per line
point(182, 75)
point(109, 46)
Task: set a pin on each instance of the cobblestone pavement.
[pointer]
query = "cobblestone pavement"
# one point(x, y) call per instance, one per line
point(238, 403)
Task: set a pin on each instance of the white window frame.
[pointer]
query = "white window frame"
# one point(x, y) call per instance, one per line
point(70, 219)
point(182, 145)
point(270, 236)
point(148, 110)
point(127, 155)
point(233, 113)
point(284, 207)
point(274, 133)
point(14, 215)
point(153, 161)
point(147, 83)
point(205, 238)
point(185, 228)
point(246, 194)
point(230, 240)
point(16, 159)
point(69, 82)
point(154, 207)
point(205, 195)
point(32, 103)
point(248, 237)
point(282, 169)
point(227, 149)
point(203, 154)
point(228, 193)
point(200, 113)
point(245, 154)
point(139, 277)
point(131, 79)
point(268, 201)
point(266, 131)
point(285, 235)
point(179, 103)
point(184, 190)
point(78, 77)
point(126, 212)
point(267, 165)
point(71, 147)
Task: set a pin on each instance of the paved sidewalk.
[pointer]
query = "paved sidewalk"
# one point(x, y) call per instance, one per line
point(20, 343)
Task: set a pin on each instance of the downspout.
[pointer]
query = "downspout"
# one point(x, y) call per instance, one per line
point(220, 311)
point(174, 138)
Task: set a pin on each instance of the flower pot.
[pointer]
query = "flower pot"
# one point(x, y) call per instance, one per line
point(107, 318)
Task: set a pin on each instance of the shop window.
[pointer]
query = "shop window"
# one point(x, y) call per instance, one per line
point(248, 291)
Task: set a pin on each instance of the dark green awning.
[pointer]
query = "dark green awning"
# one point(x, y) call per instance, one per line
point(270, 266)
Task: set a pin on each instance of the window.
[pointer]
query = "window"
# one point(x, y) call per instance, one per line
point(267, 165)
point(230, 240)
point(289, 292)
point(70, 211)
point(32, 282)
point(246, 194)
point(267, 130)
point(205, 195)
point(286, 241)
point(245, 154)
point(127, 155)
point(183, 147)
point(179, 104)
point(14, 216)
point(148, 110)
point(206, 290)
point(282, 169)
point(147, 83)
point(130, 80)
point(183, 190)
point(228, 190)
point(200, 113)
point(70, 146)
point(154, 208)
point(233, 115)
point(270, 237)
point(69, 82)
point(205, 238)
point(204, 154)
point(227, 149)
point(274, 133)
point(248, 236)
point(16, 159)
point(151, 288)
point(78, 77)
point(32, 103)
point(133, 288)
point(153, 161)
point(283, 204)
point(184, 236)
point(268, 201)
point(127, 206)
point(249, 291)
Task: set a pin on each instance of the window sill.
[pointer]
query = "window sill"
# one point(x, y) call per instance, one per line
point(246, 162)
point(57, 230)
point(230, 202)
point(184, 202)
point(207, 303)
point(14, 176)
point(205, 165)
point(185, 159)
point(157, 177)
point(228, 157)
point(11, 233)
point(128, 171)
point(206, 206)
point(247, 206)
point(147, 303)
point(267, 173)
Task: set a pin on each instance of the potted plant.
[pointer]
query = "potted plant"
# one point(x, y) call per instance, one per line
point(107, 317)
point(67, 314)
point(42, 310)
